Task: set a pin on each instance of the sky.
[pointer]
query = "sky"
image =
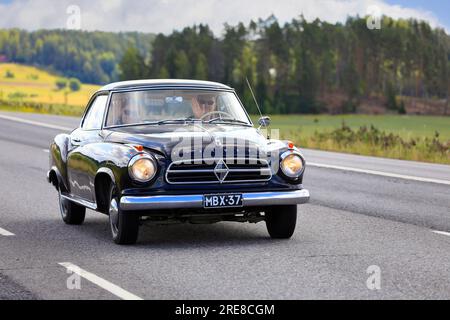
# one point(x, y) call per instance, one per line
point(167, 15)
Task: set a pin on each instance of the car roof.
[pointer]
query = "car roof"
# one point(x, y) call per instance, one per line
point(136, 84)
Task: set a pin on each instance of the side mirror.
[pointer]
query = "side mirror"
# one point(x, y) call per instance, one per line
point(264, 121)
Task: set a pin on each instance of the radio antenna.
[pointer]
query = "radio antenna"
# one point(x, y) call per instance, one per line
point(266, 120)
point(254, 98)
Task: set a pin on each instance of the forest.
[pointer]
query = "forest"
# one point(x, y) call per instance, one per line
point(311, 67)
point(91, 57)
point(297, 67)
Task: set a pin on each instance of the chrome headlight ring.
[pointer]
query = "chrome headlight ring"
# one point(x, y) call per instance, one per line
point(142, 168)
point(290, 173)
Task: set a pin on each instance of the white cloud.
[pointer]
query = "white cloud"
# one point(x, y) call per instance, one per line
point(167, 15)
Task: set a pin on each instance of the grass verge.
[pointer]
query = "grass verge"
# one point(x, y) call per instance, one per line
point(43, 108)
point(417, 138)
point(401, 137)
point(371, 141)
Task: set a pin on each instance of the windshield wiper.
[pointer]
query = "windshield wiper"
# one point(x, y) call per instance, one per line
point(227, 120)
point(185, 120)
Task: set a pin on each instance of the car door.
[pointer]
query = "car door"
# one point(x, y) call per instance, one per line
point(81, 162)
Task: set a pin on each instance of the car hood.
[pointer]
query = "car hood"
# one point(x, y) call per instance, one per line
point(164, 138)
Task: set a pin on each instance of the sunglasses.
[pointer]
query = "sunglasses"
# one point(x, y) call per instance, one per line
point(206, 102)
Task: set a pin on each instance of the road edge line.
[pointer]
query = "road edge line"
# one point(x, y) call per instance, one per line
point(378, 173)
point(441, 233)
point(35, 123)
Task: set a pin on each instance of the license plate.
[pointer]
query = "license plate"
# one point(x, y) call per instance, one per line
point(222, 200)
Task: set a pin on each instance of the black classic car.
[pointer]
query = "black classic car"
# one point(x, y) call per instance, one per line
point(171, 151)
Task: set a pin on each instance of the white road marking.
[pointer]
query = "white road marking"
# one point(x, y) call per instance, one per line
point(102, 283)
point(6, 233)
point(46, 150)
point(379, 173)
point(35, 123)
point(442, 233)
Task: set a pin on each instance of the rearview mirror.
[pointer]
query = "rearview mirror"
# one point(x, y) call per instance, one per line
point(264, 121)
point(174, 100)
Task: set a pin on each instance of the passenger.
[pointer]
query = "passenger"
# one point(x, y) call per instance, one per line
point(126, 116)
point(126, 113)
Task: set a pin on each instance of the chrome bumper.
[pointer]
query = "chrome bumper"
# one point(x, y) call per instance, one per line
point(255, 199)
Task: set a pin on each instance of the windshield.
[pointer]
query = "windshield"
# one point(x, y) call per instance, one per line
point(165, 106)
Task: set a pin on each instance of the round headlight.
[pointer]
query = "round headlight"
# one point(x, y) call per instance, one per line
point(292, 165)
point(142, 168)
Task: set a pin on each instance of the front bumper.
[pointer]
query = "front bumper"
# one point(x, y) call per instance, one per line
point(253, 199)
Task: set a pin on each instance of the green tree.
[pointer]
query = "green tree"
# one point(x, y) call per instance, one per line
point(74, 84)
point(61, 83)
point(163, 73)
point(201, 68)
point(182, 65)
point(132, 66)
point(9, 74)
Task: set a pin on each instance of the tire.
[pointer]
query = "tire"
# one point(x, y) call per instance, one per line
point(71, 213)
point(124, 226)
point(281, 221)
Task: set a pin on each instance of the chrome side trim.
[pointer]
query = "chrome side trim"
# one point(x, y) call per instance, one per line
point(81, 202)
point(251, 199)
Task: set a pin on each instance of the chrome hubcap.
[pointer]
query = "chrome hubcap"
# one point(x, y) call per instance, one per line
point(62, 205)
point(114, 215)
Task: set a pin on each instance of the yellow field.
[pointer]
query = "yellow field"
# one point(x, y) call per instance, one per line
point(30, 84)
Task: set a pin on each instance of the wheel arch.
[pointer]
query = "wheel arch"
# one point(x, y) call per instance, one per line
point(54, 177)
point(103, 180)
point(57, 174)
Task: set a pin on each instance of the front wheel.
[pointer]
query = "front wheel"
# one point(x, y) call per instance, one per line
point(281, 221)
point(124, 225)
point(71, 213)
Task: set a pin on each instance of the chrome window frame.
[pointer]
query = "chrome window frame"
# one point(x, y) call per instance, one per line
point(89, 106)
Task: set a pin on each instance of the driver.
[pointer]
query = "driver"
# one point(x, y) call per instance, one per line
point(204, 104)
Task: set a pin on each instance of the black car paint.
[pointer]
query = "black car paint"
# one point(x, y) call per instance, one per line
point(80, 159)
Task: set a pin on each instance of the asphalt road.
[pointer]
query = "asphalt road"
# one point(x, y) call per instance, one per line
point(355, 220)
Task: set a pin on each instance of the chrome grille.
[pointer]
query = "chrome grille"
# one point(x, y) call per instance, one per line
point(217, 171)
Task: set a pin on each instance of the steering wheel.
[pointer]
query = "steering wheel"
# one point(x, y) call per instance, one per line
point(215, 112)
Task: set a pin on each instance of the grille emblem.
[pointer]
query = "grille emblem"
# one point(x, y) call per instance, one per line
point(221, 171)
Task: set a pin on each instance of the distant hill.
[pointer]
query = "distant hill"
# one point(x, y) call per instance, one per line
point(21, 83)
point(91, 57)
